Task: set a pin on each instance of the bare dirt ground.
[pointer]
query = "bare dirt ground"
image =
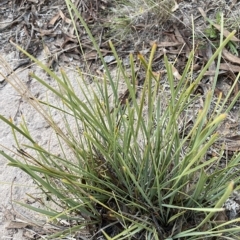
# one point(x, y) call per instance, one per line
point(44, 29)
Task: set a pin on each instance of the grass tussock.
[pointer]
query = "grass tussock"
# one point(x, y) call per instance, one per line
point(127, 16)
point(128, 169)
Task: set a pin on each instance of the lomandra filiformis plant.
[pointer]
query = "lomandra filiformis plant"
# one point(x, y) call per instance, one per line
point(127, 170)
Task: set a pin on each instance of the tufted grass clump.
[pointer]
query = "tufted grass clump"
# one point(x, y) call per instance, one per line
point(128, 16)
point(128, 169)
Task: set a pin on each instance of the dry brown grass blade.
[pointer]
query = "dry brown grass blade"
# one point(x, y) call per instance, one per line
point(229, 67)
point(230, 57)
point(226, 33)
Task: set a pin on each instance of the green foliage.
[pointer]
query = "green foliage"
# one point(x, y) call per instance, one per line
point(212, 32)
point(233, 48)
point(126, 169)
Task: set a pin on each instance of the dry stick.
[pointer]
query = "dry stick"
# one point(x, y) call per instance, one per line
point(17, 20)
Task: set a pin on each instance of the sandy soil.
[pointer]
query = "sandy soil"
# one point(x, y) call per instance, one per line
point(15, 185)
